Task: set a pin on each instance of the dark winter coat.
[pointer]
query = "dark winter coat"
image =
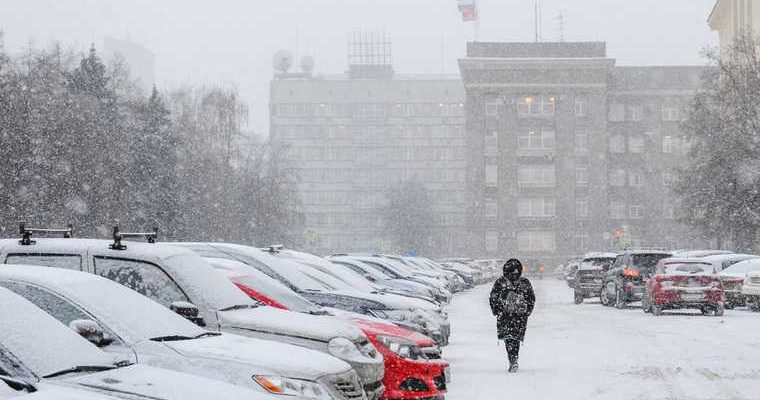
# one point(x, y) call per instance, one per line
point(512, 324)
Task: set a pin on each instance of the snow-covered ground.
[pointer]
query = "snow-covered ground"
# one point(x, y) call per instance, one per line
point(592, 352)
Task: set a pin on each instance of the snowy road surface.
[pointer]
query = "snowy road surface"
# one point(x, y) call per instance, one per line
point(592, 352)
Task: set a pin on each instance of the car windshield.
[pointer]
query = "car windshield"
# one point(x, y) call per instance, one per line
point(278, 292)
point(687, 268)
point(40, 342)
point(647, 262)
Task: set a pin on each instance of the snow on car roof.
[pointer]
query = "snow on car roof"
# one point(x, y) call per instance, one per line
point(24, 325)
point(60, 245)
point(599, 255)
point(132, 313)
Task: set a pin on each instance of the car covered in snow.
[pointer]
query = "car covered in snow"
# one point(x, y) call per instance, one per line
point(680, 283)
point(156, 336)
point(751, 290)
point(698, 253)
point(39, 354)
point(733, 278)
point(590, 274)
point(181, 280)
point(723, 261)
point(571, 269)
point(413, 368)
point(625, 281)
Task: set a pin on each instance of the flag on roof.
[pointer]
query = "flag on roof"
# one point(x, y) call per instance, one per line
point(469, 10)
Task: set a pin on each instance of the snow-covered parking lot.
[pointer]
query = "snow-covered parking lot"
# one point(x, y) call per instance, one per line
point(592, 352)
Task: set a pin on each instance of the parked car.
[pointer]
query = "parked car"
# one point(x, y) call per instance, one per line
point(411, 313)
point(38, 353)
point(178, 278)
point(15, 391)
point(590, 274)
point(680, 283)
point(413, 368)
point(453, 282)
point(156, 336)
point(571, 270)
point(733, 278)
point(624, 282)
point(723, 261)
point(751, 290)
point(462, 267)
point(698, 253)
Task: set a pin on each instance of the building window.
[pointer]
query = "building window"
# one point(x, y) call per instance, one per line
point(536, 140)
point(492, 241)
point(536, 208)
point(670, 114)
point(535, 241)
point(637, 113)
point(668, 211)
point(667, 144)
point(636, 144)
point(492, 175)
point(491, 144)
point(668, 179)
point(617, 210)
point(581, 176)
point(535, 106)
point(492, 108)
point(636, 179)
point(581, 107)
point(581, 242)
point(636, 212)
point(616, 112)
point(536, 176)
point(491, 213)
point(617, 144)
point(581, 140)
point(581, 208)
point(617, 177)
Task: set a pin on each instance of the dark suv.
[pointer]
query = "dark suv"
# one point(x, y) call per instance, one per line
point(590, 275)
point(625, 281)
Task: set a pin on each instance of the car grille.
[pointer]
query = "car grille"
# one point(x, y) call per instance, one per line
point(349, 387)
point(755, 280)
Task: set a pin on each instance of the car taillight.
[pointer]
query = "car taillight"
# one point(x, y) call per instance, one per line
point(631, 272)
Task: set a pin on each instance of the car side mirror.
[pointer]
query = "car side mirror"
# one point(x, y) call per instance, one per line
point(189, 311)
point(92, 331)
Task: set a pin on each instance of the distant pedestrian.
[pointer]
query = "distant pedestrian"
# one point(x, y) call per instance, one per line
point(512, 301)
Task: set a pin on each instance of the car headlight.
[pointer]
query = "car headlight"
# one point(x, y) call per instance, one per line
point(346, 350)
point(293, 387)
point(402, 347)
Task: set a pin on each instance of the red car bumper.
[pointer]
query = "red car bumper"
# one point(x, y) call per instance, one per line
point(411, 379)
point(679, 299)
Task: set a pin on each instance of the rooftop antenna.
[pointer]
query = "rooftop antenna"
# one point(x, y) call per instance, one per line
point(561, 26)
point(535, 22)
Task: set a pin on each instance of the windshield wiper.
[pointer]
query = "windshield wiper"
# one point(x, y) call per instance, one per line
point(205, 334)
point(239, 307)
point(171, 338)
point(81, 368)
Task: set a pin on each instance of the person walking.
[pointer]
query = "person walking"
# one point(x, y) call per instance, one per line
point(512, 301)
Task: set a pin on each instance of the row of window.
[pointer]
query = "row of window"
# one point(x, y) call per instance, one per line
point(363, 133)
point(546, 207)
point(381, 177)
point(364, 221)
point(620, 112)
point(546, 140)
point(370, 111)
point(620, 177)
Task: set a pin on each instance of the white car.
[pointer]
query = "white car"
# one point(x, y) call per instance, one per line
point(39, 354)
point(733, 278)
point(19, 392)
point(723, 261)
point(178, 278)
point(156, 336)
point(751, 290)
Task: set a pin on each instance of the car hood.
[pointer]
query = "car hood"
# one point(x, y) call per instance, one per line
point(725, 274)
point(156, 383)
point(376, 326)
point(263, 356)
point(390, 300)
point(57, 392)
point(288, 323)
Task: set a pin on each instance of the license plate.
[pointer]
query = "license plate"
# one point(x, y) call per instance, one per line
point(692, 296)
point(447, 374)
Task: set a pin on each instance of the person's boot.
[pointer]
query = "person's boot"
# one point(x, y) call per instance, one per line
point(513, 366)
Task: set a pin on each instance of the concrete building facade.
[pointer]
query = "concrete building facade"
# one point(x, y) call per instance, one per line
point(567, 152)
point(731, 18)
point(350, 137)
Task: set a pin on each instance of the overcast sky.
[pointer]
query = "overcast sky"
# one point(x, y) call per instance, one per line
point(232, 41)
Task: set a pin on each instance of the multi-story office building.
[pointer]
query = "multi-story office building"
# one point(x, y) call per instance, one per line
point(568, 153)
point(351, 137)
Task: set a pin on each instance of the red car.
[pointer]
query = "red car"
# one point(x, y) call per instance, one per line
point(413, 365)
point(680, 283)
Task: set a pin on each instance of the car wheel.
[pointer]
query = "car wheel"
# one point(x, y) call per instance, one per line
point(578, 297)
point(656, 310)
point(645, 304)
point(754, 305)
point(603, 297)
point(619, 302)
point(729, 306)
point(719, 311)
point(705, 310)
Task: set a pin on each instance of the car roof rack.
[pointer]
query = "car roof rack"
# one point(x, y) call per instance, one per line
point(273, 248)
point(26, 233)
point(118, 236)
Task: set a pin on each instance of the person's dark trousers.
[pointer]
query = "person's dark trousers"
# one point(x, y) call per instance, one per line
point(513, 349)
